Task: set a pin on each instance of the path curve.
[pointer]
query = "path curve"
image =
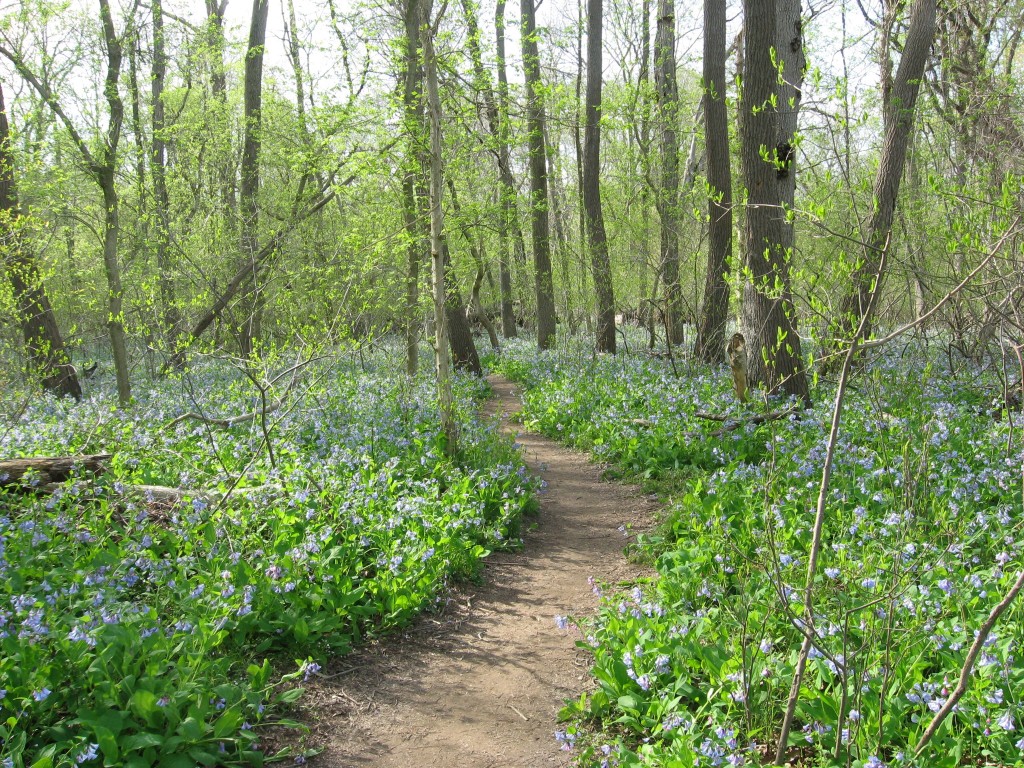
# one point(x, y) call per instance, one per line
point(480, 684)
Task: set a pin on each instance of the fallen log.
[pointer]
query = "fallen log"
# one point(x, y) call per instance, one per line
point(51, 469)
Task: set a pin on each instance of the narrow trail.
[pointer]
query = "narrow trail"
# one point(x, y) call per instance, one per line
point(480, 684)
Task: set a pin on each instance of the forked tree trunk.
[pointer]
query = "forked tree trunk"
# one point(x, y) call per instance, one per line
point(714, 314)
point(599, 259)
point(774, 357)
point(538, 180)
point(43, 341)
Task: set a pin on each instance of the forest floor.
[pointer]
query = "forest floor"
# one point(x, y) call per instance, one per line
point(480, 683)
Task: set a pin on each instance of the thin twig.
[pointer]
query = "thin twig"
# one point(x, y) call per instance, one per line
point(965, 672)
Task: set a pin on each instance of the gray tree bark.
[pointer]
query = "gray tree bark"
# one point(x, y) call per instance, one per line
point(250, 327)
point(538, 180)
point(438, 246)
point(497, 124)
point(598, 240)
point(668, 193)
point(158, 170)
point(774, 358)
point(43, 341)
point(905, 88)
point(714, 314)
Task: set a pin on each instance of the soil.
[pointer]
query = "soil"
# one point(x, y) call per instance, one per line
point(480, 683)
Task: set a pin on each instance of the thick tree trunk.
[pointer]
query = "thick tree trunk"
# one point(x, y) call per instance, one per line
point(438, 246)
point(714, 314)
point(774, 357)
point(905, 88)
point(790, 48)
point(538, 180)
point(249, 329)
point(43, 340)
point(599, 259)
point(668, 193)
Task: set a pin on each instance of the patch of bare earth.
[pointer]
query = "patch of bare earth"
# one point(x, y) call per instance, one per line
point(481, 682)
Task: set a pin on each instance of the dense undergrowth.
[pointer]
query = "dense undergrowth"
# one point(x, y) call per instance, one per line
point(141, 634)
point(922, 538)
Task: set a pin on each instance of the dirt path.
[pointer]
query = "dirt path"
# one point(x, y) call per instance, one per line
point(480, 684)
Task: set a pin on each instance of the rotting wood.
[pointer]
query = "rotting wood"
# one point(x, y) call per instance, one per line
point(51, 469)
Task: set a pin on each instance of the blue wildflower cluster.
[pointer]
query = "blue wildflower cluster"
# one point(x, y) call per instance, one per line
point(134, 632)
point(922, 538)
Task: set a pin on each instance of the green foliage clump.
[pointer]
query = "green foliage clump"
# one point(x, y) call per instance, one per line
point(922, 538)
point(136, 632)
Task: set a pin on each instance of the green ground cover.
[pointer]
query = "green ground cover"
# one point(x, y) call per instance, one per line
point(922, 539)
point(141, 634)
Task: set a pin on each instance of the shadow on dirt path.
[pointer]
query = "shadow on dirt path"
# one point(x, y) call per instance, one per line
point(480, 684)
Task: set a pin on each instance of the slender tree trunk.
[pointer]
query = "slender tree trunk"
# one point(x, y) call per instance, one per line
point(599, 259)
point(790, 47)
point(215, 10)
point(105, 173)
point(714, 314)
point(905, 88)
point(600, 262)
point(415, 131)
point(774, 357)
point(562, 247)
point(43, 341)
point(497, 123)
point(646, 309)
point(538, 180)
point(460, 335)
point(668, 194)
point(438, 247)
point(250, 327)
point(158, 169)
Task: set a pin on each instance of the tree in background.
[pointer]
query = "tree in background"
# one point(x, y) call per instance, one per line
point(598, 240)
point(668, 191)
point(774, 357)
point(538, 180)
point(43, 339)
point(710, 343)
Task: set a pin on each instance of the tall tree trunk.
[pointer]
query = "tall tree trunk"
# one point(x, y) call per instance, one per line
point(497, 124)
point(668, 193)
point(103, 170)
point(646, 308)
point(562, 246)
point(774, 357)
point(105, 174)
point(158, 169)
point(250, 327)
point(714, 314)
point(43, 341)
point(599, 259)
point(905, 88)
point(215, 10)
point(538, 180)
point(438, 247)
point(414, 128)
point(790, 47)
